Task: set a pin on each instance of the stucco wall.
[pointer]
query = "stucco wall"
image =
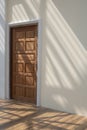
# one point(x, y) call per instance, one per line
point(2, 48)
point(64, 58)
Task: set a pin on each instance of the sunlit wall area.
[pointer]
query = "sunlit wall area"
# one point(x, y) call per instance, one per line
point(21, 10)
point(2, 49)
point(64, 54)
point(64, 77)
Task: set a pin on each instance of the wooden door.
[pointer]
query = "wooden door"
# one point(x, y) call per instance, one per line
point(24, 63)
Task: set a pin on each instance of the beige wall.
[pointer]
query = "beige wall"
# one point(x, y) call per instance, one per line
point(64, 58)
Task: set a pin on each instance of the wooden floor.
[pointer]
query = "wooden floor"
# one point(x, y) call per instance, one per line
point(15, 115)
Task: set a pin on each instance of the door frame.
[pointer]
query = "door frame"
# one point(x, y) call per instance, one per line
point(7, 58)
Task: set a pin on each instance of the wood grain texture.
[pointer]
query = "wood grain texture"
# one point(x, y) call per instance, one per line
point(16, 115)
point(24, 63)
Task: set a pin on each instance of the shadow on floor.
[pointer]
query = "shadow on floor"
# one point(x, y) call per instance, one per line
point(15, 115)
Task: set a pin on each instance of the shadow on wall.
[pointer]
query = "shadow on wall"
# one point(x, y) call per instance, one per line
point(65, 68)
point(75, 14)
point(23, 10)
point(2, 28)
point(2, 47)
point(2, 25)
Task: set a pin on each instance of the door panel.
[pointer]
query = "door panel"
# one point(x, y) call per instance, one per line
point(24, 62)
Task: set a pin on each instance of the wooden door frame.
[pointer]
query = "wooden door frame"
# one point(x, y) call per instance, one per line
point(8, 48)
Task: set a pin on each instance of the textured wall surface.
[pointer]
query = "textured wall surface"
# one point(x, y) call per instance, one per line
point(64, 54)
point(2, 49)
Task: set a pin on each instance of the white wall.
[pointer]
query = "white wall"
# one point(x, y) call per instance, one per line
point(2, 49)
point(64, 58)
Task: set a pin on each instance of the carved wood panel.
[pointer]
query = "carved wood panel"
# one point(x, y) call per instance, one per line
point(30, 46)
point(24, 63)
